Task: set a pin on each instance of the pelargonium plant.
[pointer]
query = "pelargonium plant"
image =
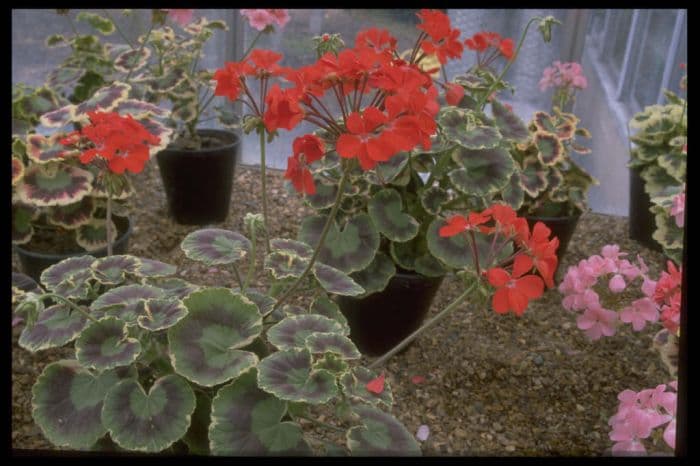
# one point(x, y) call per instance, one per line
point(553, 183)
point(159, 360)
point(612, 291)
point(68, 183)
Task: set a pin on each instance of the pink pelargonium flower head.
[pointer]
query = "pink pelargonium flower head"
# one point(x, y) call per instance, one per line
point(678, 209)
point(597, 322)
point(181, 16)
point(280, 15)
point(563, 75)
point(261, 18)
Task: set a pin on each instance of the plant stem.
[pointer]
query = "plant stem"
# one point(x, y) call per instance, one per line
point(69, 303)
point(452, 306)
point(264, 189)
point(108, 218)
point(482, 102)
point(321, 239)
point(116, 26)
point(252, 44)
point(238, 277)
point(251, 263)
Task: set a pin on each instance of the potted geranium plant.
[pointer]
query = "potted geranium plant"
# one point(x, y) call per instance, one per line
point(65, 203)
point(555, 187)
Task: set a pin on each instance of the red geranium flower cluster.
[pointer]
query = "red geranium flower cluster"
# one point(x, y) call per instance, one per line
point(443, 39)
point(667, 294)
point(536, 251)
point(120, 140)
point(307, 149)
point(489, 46)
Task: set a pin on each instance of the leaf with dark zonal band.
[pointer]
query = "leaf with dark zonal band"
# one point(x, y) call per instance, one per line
point(292, 310)
point(332, 363)
point(509, 124)
point(289, 376)
point(22, 216)
point(55, 326)
point(105, 99)
point(533, 177)
point(433, 198)
point(248, 421)
point(42, 149)
point(52, 276)
point(264, 302)
point(123, 301)
point(484, 171)
point(336, 282)
point(148, 422)
point(59, 117)
point(455, 251)
point(205, 344)
point(386, 210)
point(674, 163)
point(139, 109)
point(120, 185)
point(67, 403)
point(298, 248)
point(17, 170)
point(105, 344)
point(454, 123)
point(543, 122)
point(354, 385)
point(214, 246)
point(112, 270)
point(429, 266)
point(93, 235)
point(555, 179)
point(72, 215)
point(174, 287)
point(513, 192)
point(329, 342)
point(549, 146)
point(157, 129)
point(285, 265)
point(324, 196)
point(327, 308)
point(153, 268)
point(380, 435)
point(132, 60)
point(159, 314)
point(349, 249)
point(45, 186)
point(377, 275)
point(388, 172)
point(291, 332)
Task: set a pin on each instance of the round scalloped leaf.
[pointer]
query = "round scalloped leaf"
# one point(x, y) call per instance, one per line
point(292, 310)
point(429, 266)
point(349, 249)
point(63, 184)
point(25, 283)
point(288, 375)
point(105, 344)
point(656, 179)
point(291, 332)
point(72, 216)
point(485, 171)
point(17, 170)
point(391, 171)
point(103, 25)
point(185, 110)
point(159, 314)
point(157, 129)
point(433, 198)
point(509, 124)
point(667, 233)
point(140, 109)
point(112, 270)
point(555, 178)
point(105, 99)
point(175, 287)
point(93, 235)
point(42, 149)
point(214, 246)
point(332, 363)
point(543, 122)
point(674, 163)
point(323, 342)
point(67, 403)
point(54, 327)
point(124, 301)
point(152, 268)
point(324, 196)
point(513, 192)
point(377, 275)
point(120, 185)
point(298, 248)
point(327, 308)
point(167, 82)
point(148, 422)
point(67, 269)
point(455, 251)
point(550, 149)
point(533, 177)
point(61, 116)
point(132, 60)
point(404, 254)
point(247, 421)
point(22, 216)
point(264, 302)
point(386, 210)
point(579, 148)
point(335, 281)
point(354, 385)
point(380, 435)
point(285, 265)
point(203, 345)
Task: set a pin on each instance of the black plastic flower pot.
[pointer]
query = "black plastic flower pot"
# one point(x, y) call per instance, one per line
point(33, 263)
point(198, 183)
point(381, 320)
point(641, 221)
point(562, 227)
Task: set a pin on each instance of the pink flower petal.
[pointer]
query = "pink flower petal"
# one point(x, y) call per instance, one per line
point(423, 433)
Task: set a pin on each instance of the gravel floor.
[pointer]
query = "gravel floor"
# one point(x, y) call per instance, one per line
point(494, 385)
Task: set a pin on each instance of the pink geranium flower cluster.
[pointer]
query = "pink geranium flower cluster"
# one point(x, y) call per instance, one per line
point(262, 18)
point(563, 75)
point(638, 414)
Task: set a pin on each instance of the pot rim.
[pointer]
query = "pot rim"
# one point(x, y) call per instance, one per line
point(42, 255)
point(204, 131)
point(555, 219)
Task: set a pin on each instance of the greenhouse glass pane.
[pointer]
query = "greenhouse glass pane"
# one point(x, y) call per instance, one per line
point(619, 32)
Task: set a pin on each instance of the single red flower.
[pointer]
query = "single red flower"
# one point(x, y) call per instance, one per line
point(376, 385)
point(543, 251)
point(435, 23)
point(668, 284)
point(514, 292)
point(229, 79)
point(265, 62)
point(453, 93)
point(380, 40)
point(310, 147)
point(457, 224)
point(283, 110)
point(300, 176)
point(362, 141)
point(506, 48)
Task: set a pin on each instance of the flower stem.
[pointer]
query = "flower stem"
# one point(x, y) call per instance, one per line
point(251, 263)
point(116, 26)
point(108, 218)
point(451, 307)
point(264, 189)
point(238, 277)
point(252, 44)
point(482, 102)
point(57, 297)
point(321, 239)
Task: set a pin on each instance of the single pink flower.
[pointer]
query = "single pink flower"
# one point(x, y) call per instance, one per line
point(617, 284)
point(258, 18)
point(678, 208)
point(280, 15)
point(597, 322)
point(639, 313)
point(670, 434)
point(183, 17)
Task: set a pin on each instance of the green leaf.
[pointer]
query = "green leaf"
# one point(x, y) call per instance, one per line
point(285, 265)
point(291, 332)
point(105, 99)
point(336, 282)
point(55, 327)
point(103, 25)
point(330, 342)
point(674, 163)
point(327, 308)
point(45, 186)
point(67, 269)
point(457, 127)
point(148, 422)
point(513, 193)
point(93, 235)
point(159, 314)
point(354, 385)
point(509, 124)
point(533, 177)
point(290, 246)
point(175, 287)
point(112, 270)
point(74, 215)
point(324, 197)
point(433, 198)
point(550, 148)
point(152, 268)
point(205, 344)
point(483, 172)
point(214, 246)
point(248, 421)
point(386, 210)
point(377, 275)
point(22, 216)
point(289, 376)
point(455, 251)
point(124, 301)
point(105, 344)
point(380, 435)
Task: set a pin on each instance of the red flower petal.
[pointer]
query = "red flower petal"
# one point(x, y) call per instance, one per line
point(531, 286)
point(417, 379)
point(348, 146)
point(500, 301)
point(376, 386)
point(498, 277)
point(455, 225)
point(521, 265)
